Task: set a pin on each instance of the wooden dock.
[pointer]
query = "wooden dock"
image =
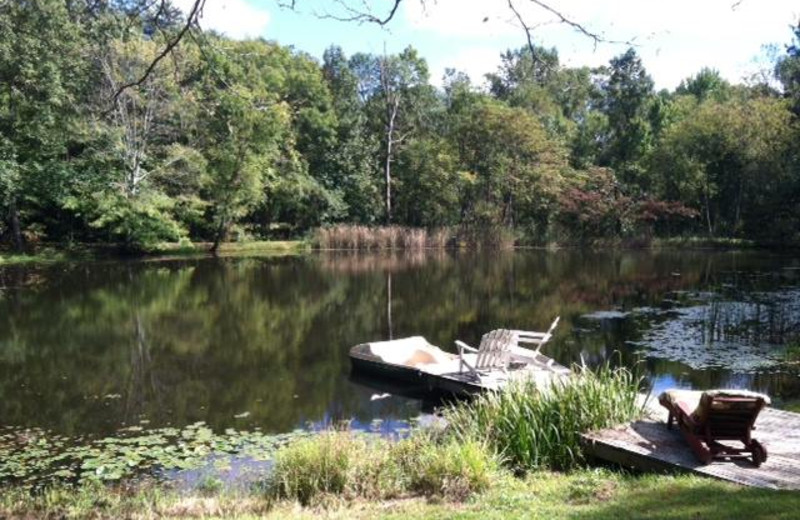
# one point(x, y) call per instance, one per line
point(649, 446)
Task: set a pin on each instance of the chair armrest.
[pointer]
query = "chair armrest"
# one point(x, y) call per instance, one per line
point(525, 333)
point(463, 346)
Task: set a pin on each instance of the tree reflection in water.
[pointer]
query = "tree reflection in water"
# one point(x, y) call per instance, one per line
point(88, 348)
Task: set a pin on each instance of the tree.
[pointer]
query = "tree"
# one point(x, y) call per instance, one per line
point(42, 74)
point(513, 169)
point(241, 125)
point(787, 71)
point(732, 161)
point(627, 93)
point(352, 165)
point(706, 84)
point(395, 89)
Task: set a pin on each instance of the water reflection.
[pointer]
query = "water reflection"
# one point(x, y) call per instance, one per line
point(246, 342)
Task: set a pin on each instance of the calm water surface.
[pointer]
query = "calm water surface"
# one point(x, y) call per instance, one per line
point(250, 342)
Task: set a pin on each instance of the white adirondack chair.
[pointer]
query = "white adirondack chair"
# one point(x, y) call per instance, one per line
point(493, 353)
point(536, 338)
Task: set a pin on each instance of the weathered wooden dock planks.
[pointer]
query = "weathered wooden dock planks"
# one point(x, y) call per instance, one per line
point(648, 445)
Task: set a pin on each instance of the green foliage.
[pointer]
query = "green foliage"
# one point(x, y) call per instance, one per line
point(732, 161)
point(353, 466)
point(627, 94)
point(512, 169)
point(787, 70)
point(533, 428)
point(230, 140)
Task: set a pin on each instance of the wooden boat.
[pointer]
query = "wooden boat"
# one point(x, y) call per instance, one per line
point(419, 364)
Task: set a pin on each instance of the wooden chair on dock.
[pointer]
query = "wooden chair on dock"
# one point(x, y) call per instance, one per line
point(493, 353)
point(706, 418)
point(537, 339)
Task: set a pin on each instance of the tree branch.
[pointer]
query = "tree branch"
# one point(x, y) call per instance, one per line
point(527, 30)
point(365, 16)
point(568, 21)
point(191, 19)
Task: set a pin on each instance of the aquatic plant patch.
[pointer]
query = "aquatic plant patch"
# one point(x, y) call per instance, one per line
point(34, 457)
point(744, 335)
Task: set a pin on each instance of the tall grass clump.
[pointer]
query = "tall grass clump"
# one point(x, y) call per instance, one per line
point(451, 468)
point(349, 465)
point(354, 237)
point(534, 427)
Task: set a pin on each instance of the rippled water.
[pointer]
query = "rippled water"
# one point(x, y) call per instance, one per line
point(249, 342)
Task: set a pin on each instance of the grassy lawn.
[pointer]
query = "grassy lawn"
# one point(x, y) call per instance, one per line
point(586, 493)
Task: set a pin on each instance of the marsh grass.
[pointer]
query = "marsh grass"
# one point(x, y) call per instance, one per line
point(382, 237)
point(356, 466)
point(533, 428)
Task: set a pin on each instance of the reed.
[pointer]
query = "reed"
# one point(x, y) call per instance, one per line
point(531, 427)
point(354, 237)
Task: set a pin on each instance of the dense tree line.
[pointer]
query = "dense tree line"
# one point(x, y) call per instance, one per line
point(225, 139)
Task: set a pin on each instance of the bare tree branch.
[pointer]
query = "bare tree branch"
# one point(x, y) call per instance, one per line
point(365, 16)
point(527, 30)
point(191, 19)
point(561, 18)
point(575, 25)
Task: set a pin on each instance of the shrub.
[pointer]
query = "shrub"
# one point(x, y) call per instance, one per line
point(532, 427)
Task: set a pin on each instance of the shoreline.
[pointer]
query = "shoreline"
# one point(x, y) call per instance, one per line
point(54, 253)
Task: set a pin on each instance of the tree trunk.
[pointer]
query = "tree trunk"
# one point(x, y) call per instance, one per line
point(738, 218)
point(16, 231)
point(219, 235)
point(708, 211)
point(389, 150)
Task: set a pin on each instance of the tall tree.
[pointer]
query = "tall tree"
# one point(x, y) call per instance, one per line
point(788, 70)
point(42, 75)
point(396, 90)
point(627, 91)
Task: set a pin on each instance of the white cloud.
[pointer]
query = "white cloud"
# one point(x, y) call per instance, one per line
point(675, 38)
point(483, 19)
point(237, 19)
point(475, 61)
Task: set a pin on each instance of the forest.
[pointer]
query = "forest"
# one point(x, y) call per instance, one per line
point(101, 141)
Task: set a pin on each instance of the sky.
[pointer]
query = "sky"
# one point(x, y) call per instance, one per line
point(675, 38)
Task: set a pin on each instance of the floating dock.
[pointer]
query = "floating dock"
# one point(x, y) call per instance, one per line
point(648, 445)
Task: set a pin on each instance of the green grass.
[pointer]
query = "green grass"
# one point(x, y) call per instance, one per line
point(51, 254)
point(230, 248)
point(532, 428)
point(43, 256)
point(353, 466)
point(582, 494)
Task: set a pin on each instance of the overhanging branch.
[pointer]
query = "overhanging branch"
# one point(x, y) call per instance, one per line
point(191, 19)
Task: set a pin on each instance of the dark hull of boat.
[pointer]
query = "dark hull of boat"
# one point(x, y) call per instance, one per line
point(420, 383)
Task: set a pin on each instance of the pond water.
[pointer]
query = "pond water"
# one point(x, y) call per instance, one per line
point(262, 342)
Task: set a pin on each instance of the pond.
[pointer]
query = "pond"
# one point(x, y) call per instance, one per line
point(262, 342)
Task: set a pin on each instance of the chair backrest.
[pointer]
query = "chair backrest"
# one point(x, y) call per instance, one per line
point(494, 350)
point(536, 338)
point(728, 416)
